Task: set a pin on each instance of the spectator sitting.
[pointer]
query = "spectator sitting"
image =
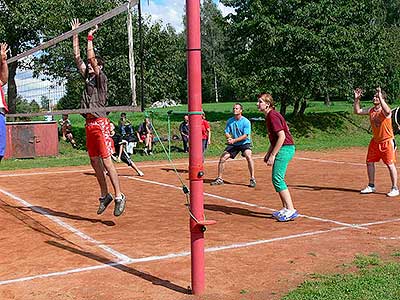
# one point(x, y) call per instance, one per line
point(66, 130)
point(123, 124)
point(145, 135)
point(119, 150)
point(130, 138)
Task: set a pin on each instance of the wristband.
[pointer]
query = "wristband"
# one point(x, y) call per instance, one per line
point(90, 37)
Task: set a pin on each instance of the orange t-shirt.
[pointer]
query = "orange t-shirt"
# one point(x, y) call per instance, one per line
point(381, 126)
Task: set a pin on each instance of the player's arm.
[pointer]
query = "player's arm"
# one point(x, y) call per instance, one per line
point(385, 107)
point(77, 53)
point(357, 108)
point(281, 139)
point(90, 52)
point(3, 64)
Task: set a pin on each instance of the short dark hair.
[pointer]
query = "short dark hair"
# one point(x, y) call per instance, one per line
point(237, 103)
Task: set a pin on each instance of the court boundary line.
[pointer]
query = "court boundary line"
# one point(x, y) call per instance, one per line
point(187, 253)
point(230, 200)
point(169, 165)
point(66, 226)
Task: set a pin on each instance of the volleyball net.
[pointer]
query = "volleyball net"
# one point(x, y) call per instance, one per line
point(46, 80)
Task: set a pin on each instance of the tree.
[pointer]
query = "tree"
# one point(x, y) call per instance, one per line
point(300, 49)
point(212, 41)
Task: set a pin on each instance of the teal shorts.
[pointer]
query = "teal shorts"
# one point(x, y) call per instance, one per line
point(281, 162)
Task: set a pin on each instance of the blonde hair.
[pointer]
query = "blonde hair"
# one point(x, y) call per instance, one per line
point(267, 98)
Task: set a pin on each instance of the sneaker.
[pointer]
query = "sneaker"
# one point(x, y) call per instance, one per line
point(368, 190)
point(217, 181)
point(252, 183)
point(146, 151)
point(104, 202)
point(287, 216)
point(119, 205)
point(277, 213)
point(393, 192)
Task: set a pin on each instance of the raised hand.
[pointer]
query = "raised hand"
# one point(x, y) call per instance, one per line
point(358, 93)
point(3, 51)
point(93, 30)
point(75, 23)
point(379, 91)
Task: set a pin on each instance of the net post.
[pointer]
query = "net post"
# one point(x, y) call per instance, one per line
point(195, 148)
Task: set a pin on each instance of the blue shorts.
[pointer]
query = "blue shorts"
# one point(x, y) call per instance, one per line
point(3, 135)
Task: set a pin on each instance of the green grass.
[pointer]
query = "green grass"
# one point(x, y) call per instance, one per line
point(321, 128)
point(375, 280)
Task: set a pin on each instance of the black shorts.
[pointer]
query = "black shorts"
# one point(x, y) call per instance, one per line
point(233, 150)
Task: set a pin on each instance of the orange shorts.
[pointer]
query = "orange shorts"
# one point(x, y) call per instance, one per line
point(98, 139)
point(384, 150)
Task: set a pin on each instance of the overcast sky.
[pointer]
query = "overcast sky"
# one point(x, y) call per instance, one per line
point(171, 11)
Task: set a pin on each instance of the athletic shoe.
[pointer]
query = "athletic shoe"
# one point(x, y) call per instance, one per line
point(119, 205)
point(252, 183)
point(217, 181)
point(393, 192)
point(368, 190)
point(277, 213)
point(146, 151)
point(287, 216)
point(104, 202)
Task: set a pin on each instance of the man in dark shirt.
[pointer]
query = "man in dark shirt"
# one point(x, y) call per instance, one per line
point(184, 130)
point(98, 139)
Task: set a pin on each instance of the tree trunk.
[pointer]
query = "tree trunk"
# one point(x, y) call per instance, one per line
point(327, 101)
point(283, 105)
point(296, 107)
point(12, 88)
point(303, 107)
point(215, 86)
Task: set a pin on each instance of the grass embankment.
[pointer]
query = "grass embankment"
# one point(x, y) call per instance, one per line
point(321, 128)
point(376, 279)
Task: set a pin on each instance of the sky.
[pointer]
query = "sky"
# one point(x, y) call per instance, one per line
point(171, 11)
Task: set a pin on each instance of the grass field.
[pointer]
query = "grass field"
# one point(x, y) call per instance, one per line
point(321, 128)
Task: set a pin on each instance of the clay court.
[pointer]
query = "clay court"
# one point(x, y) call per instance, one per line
point(55, 246)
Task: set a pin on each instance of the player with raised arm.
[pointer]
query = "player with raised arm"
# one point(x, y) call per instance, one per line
point(98, 139)
point(382, 145)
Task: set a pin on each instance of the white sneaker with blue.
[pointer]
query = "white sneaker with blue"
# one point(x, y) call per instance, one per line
point(288, 215)
point(277, 213)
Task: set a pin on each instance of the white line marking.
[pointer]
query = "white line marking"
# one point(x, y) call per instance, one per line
point(70, 228)
point(169, 256)
point(247, 203)
point(329, 161)
point(186, 253)
point(169, 165)
point(389, 238)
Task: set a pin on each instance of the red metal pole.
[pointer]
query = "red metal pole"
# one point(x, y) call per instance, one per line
point(195, 143)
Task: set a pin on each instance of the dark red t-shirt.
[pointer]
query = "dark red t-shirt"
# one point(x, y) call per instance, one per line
point(275, 123)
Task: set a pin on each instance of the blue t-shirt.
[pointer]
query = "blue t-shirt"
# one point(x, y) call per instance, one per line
point(237, 128)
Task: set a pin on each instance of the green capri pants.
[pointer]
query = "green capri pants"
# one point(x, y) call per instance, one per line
point(281, 162)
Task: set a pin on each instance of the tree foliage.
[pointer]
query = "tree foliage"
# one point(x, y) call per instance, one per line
point(300, 49)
